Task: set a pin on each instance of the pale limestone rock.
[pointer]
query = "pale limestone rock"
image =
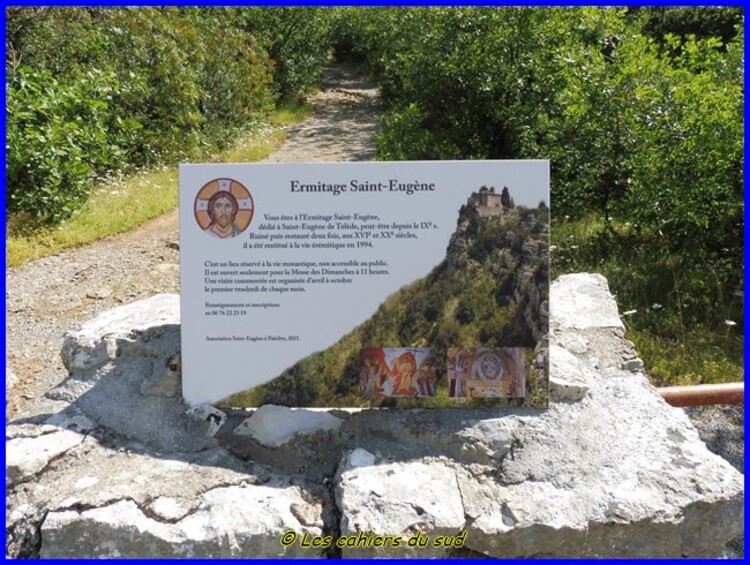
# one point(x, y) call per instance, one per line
point(135, 342)
point(166, 381)
point(569, 376)
point(97, 341)
point(486, 441)
point(214, 417)
point(85, 482)
point(168, 509)
point(357, 458)
point(609, 470)
point(25, 457)
point(273, 425)
point(229, 522)
point(400, 499)
point(582, 301)
point(20, 512)
point(76, 422)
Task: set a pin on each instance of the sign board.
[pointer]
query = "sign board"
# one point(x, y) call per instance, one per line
point(365, 284)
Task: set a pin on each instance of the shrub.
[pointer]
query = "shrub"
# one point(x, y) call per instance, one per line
point(297, 41)
point(56, 141)
point(95, 89)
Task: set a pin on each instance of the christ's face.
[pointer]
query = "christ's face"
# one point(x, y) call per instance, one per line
point(223, 212)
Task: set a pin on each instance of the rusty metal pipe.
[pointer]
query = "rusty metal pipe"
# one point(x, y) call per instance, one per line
point(704, 395)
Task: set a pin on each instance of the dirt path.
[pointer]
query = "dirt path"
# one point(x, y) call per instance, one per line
point(52, 296)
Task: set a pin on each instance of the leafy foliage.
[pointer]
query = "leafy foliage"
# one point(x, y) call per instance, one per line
point(658, 22)
point(57, 140)
point(96, 89)
point(297, 40)
point(639, 110)
point(91, 90)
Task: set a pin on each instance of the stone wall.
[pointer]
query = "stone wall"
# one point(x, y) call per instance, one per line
point(107, 466)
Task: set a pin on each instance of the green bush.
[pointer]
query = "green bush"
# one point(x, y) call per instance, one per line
point(297, 41)
point(404, 137)
point(152, 53)
point(57, 139)
point(234, 74)
point(642, 128)
point(687, 180)
point(704, 22)
point(95, 89)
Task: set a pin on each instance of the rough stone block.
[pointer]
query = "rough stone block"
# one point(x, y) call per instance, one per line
point(582, 301)
point(400, 500)
point(97, 341)
point(25, 457)
point(608, 470)
point(273, 426)
point(229, 522)
point(164, 382)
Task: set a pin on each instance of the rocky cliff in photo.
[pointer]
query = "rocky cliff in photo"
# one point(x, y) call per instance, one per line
point(491, 290)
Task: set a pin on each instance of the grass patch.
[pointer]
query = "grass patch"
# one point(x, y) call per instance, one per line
point(289, 114)
point(117, 205)
point(686, 325)
point(122, 203)
point(697, 358)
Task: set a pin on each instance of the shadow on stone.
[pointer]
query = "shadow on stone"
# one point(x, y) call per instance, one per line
point(608, 470)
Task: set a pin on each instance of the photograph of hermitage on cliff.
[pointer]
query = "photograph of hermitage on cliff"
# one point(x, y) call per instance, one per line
point(472, 333)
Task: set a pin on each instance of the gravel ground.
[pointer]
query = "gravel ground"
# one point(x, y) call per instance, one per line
point(54, 295)
point(722, 428)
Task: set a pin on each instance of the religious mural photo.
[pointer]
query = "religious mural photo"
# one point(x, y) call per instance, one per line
point(487, 372)
point(397, 372)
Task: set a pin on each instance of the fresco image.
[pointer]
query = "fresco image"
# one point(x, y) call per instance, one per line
point(487, 372)
point(397, 372)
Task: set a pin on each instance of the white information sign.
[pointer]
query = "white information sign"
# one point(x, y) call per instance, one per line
point(281, 261)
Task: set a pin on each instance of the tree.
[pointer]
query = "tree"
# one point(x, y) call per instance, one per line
point(505, 198)
point(297, 40)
